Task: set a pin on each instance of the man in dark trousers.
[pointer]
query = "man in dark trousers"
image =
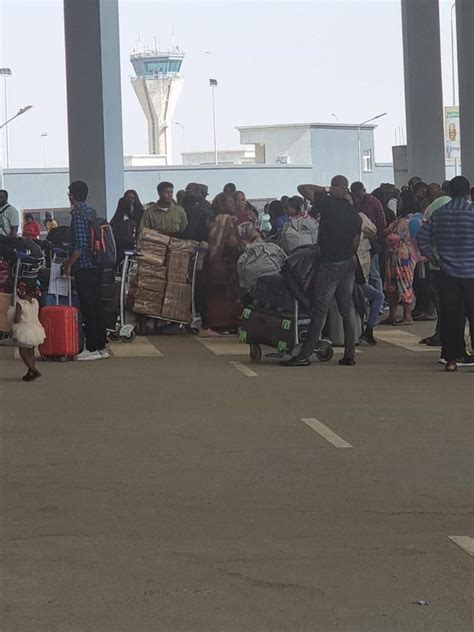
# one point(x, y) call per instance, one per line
point(447, 238)
point(339, 236)
point(87, 276)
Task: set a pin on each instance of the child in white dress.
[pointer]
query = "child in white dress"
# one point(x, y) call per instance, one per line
point(27, 330)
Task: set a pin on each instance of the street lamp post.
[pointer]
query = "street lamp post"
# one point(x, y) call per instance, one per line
point(453, 71)
point(19, 113)
point(184, 139)
point(6, 72)
point(44, 136)
point(359, 149)
point(213, 85)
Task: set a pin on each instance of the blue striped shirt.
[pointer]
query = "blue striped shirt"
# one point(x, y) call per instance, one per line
point(450, 232)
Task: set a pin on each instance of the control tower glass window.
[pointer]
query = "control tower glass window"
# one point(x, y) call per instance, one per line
point(174, 65)
point(162, 66)
point(156, 67)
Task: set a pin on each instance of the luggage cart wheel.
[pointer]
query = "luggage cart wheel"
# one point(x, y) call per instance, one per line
point(255, 352)
point(114, 336)
point(130, 337)
point(324, 352)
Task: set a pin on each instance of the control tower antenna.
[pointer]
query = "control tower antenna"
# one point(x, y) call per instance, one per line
point(157, 84)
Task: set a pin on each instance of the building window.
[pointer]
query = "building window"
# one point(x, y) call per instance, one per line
point(367, 160)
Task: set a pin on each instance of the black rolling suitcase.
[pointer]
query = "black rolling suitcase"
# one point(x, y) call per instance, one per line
point(261, 327)
point(273, 293)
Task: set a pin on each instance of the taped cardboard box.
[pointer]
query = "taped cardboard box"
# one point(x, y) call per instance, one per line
point(150, 236)
point(146, 282)
point(5, 302)
point(147, 308)
point(147, 269)
point(177, 303)
point(183, 245)
point(156, 259)
point(179, 266)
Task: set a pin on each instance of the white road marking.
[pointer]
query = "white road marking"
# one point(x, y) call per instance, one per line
point(224, 345)
point(341, 350)
point(465, 542)
point(403, 339)
point(244, 369)
point(140, 348)
point(326, 432)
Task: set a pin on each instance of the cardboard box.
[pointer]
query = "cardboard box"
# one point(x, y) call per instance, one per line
point(151, 236)
point(147, 308)
point(183, 245)
point(147, 269)
point(5, 303)
point(179, 266)
point(155, 259)
point(177, 303)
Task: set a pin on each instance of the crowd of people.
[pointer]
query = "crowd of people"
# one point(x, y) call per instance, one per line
point(411, 252)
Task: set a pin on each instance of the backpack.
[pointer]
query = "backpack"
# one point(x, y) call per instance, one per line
point(103, 247)
point(260, 258)
point(297, 232)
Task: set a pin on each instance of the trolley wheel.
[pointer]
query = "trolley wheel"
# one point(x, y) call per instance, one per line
point(324, 351)
point(129, 337)
point(63, 359)
point(255, 352)
point(114, 336)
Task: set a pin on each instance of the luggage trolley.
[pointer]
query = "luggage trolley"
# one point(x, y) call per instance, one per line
point(195, 321)
point(125, 332)
point(300, 323)
point(25, 267)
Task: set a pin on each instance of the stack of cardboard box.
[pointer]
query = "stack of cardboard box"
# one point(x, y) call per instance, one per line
point(147, 290)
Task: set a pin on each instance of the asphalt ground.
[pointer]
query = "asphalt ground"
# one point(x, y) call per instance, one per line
point(179, 490)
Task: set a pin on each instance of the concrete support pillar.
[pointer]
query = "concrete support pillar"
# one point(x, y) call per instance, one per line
point(464, 26)
point(94, 99)
point(423, 89)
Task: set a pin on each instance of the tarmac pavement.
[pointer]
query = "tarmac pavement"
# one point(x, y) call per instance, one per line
point(175, 488)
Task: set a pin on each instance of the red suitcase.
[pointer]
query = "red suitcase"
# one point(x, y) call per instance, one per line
point(61, 325)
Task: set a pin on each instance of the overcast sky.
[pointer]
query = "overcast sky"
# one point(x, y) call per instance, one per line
point(276, 62)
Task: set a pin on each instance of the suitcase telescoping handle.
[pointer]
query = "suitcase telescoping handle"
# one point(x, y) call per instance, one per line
point(69, 290)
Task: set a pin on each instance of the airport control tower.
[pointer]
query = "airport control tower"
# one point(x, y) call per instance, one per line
point(157, 84)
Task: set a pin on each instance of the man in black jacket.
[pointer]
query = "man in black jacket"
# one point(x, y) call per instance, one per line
point(339, 236)
point(198, 212)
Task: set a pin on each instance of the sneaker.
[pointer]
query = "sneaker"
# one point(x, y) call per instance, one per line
point(89, 355)
point(368, 336)
point(347, 362)
point(296, 361)
point(468, 360)
point(104, 354)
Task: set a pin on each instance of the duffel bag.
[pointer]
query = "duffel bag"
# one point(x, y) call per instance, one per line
point(297, 232)
point(260, 258)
